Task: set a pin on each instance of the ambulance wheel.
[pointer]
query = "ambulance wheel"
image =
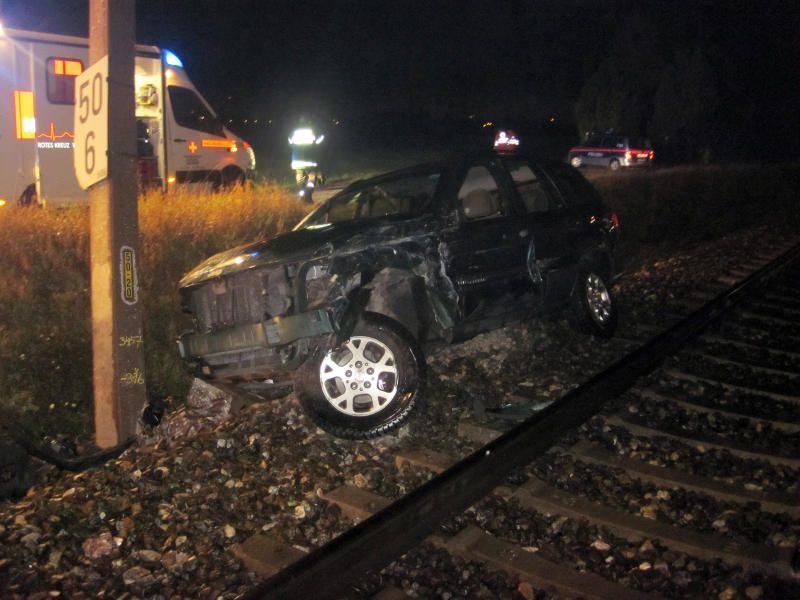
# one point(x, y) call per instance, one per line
point(29, 197)
point(214, 180)
point(232, 176)
point(614, 165)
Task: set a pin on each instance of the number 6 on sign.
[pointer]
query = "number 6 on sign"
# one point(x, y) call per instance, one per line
point(91, 124)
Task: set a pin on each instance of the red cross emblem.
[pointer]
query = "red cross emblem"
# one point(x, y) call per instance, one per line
point(192, 147)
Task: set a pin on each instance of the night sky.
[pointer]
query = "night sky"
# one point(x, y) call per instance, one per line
point(717, 63)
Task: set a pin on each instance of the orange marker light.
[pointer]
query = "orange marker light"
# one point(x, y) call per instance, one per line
point(192, 147)
point(227, 144)
point(65, 66)
point(73, 68)
point(25, 116)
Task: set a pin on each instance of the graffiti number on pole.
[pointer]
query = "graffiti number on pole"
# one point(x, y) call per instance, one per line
point(135, 377)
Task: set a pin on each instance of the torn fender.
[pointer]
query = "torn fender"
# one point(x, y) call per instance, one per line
point(405, 297)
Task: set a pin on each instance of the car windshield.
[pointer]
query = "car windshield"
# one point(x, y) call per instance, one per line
point(406, 195)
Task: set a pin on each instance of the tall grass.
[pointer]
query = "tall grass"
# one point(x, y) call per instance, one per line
point(45, 328)
point(686, 205)
point(45, 325)
point(45, 358)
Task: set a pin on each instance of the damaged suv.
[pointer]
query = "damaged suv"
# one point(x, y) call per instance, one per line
point(352, 297)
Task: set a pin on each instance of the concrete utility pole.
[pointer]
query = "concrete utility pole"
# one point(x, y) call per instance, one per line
point(117, 341)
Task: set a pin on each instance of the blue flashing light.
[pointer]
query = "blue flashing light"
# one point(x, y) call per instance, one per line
point(172, 60)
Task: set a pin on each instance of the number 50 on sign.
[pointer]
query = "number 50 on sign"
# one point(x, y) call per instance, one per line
point(91, 124)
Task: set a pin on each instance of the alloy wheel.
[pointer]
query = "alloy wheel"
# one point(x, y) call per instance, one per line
point(598, 299)
point(360, 378)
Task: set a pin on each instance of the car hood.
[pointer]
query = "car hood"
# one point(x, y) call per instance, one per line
point(293, 246)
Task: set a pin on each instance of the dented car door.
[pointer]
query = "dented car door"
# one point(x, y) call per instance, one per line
point(484, 259)
point(548, 232)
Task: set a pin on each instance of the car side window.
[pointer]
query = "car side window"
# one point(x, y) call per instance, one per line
point(593, 141)
point(578, 192)
point(190, 112)
point(344, 208)
point(480, 196)
point(531, 188)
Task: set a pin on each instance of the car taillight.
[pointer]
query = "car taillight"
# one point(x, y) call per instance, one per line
point(614, 220)
point(652, 155)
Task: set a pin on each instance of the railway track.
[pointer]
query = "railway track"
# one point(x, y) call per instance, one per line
point(685, 454)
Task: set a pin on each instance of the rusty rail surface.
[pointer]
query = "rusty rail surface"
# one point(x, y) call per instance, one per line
point(332, 569)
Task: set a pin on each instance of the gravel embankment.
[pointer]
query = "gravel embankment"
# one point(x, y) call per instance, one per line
point(159, 521)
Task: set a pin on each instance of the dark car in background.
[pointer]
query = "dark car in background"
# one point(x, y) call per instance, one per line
point(612, 152)
point(350, 300)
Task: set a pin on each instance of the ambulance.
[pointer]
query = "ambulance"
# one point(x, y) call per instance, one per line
point(180, 139)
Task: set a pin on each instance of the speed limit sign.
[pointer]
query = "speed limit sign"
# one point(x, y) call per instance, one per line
point(91, 124)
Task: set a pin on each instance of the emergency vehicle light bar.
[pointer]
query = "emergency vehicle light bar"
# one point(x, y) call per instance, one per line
point(302, 137)
point(172, 60)
point(302, 164)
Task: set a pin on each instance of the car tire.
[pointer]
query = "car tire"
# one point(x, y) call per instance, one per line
point(614, 165)
point(365, 387)
point(593, 309)
point(576, 162)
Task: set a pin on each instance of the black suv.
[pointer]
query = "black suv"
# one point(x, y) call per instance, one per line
point(391, 266)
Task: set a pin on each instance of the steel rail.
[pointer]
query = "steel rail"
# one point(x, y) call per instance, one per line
point(332, 569)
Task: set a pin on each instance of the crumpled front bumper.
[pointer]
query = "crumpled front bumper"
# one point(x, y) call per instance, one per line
point(252, 349)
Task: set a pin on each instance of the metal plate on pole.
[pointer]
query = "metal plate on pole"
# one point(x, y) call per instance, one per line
point(91, 124)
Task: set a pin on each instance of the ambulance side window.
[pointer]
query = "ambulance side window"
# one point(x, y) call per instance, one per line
point(191, 112)
point(61, 74)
